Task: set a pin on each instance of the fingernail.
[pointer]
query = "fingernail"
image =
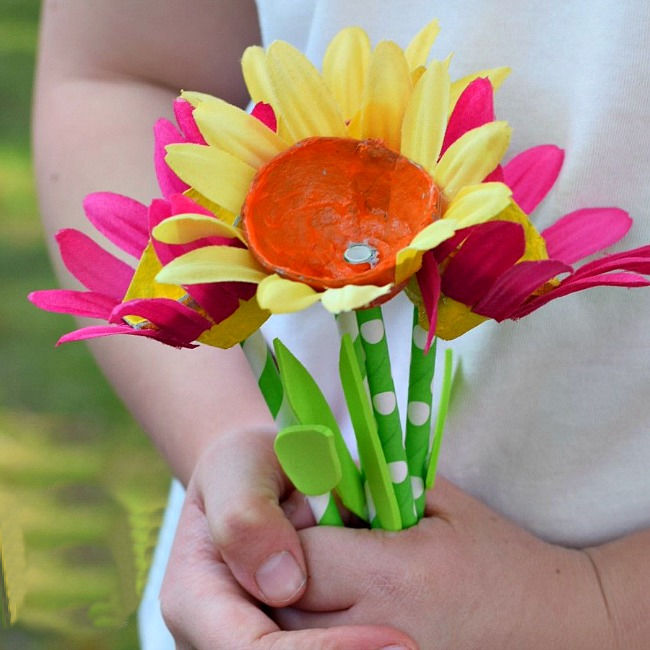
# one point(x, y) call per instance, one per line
point(280, 577)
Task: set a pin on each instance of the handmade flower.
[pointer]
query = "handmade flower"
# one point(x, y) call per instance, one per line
point(130, 300)
point(339, 203)
point(506, 269)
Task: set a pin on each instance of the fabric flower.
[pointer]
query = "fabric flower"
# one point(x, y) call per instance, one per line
point(506, 269)
point(340, 203)
point(130, 300)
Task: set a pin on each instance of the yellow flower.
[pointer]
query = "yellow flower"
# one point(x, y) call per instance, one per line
point(340, 203)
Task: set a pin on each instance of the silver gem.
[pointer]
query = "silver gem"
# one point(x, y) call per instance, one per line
point(360, 254)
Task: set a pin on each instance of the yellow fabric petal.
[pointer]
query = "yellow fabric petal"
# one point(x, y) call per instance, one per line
point(352, 297)
point(386, 95)
point(217, 210)
point(196, 98)
point(144, 284)
point(302, 99)
point(416, 74)
point(407, 263)
point(418, 49)
point(454, 319)
point(185, 228)
point(472, 157)
point(409, 260)
point(220, 177)
point(248, 318)
point(535, 244)
point(425, 120)
point(213, 264)
point(476, 204)
point(433, 234)
point(282, 296)
point(345, 67)
point(495, 75)
point(235, 131)
point(256, 77)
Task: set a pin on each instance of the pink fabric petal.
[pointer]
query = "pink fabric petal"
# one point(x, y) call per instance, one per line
point(170, 316)
point(636, 260)
point(428, 278)
point(532, 173)
point(183, 112)
point(166, 133)
point(94, 267)
point(80, 303)
point(120, 219)
point(181, 204)
point(474, 108)
point(496, 176)
point(97, 331)
point(571, 285)
point(444, 250)
point(266, 115)
point(489, 251)
point(584, 232)
point(515, 286)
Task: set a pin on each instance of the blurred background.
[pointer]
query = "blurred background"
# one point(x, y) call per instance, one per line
point(81, 490)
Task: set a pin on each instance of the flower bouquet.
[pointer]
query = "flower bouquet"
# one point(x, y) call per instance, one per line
point(378, 175)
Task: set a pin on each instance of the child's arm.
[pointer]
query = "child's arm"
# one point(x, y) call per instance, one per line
point(107, 70)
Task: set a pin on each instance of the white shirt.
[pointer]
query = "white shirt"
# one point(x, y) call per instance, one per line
point(550, 418)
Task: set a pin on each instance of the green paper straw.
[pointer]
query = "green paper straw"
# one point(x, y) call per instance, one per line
point(324, 509)
point(443, 408)
point(347, 324)
point(384, 402)
point(265, 370)
point(418, 414)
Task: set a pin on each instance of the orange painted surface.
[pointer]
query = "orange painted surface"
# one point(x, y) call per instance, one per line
point(311, 202)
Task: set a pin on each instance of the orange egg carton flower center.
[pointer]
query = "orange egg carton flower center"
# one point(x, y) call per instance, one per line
point(335, 211)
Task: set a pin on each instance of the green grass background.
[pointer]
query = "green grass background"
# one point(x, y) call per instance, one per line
point(80, 486)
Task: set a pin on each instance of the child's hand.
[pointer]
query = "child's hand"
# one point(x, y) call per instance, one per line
point(232, 524)
point(463, 578)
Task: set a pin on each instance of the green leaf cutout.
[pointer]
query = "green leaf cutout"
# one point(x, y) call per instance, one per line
point(310, 407)
point(368, 443)
point(307, 453)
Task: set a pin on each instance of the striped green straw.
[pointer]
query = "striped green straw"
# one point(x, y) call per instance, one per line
point(443, 408)
point(384, 401)
point(418, 414)
point(347, 324)
point(265, 370)
point(260, 358)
